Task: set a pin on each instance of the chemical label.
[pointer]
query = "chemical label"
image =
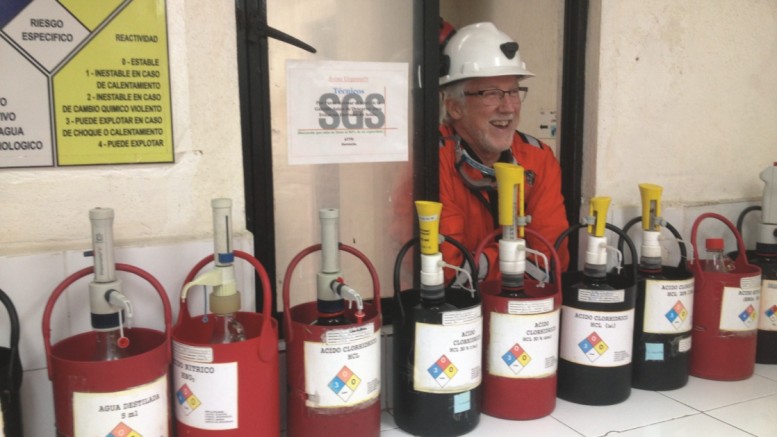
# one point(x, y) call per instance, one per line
point(601, 296)
point(654, 352)
point(523, 346)
point(596, 338)
point(448, 357)
point(137, 411)
point(668, 306)
point(684, 345)
point(739, 307)
point(344, 373)
point(205, 392)
point(450, 318)
point(523, 306)
point(462, 402)
point(349, 335)
point(767, 321)
point(192, 353)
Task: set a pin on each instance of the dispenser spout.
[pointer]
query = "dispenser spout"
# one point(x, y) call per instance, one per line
point(119, 300)
point(340, 288)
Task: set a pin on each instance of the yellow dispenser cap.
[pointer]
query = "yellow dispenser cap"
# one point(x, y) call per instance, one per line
point(598, 210)
point(509, 183)
point(429, 225)
point(651, 205)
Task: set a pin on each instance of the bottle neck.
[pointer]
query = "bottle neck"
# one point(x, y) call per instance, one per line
point(226, 329)
point(717, 262)
point(107, 346)
point(513, 286)
point(331, 312)
point(432, 296)
point(595, 272)
point(648, 264)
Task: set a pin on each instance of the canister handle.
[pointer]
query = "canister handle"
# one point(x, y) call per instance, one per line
point(89, 270)
point(741, 260)
point(611, 227)
point(553, 254)
point(683, 251)
point(401, 256)
point(14, 342)
point(308, 251)
point(267, 342)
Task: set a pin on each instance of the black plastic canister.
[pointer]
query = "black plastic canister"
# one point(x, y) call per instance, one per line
point(435, 411)
point(597, 321)
point(663, 321)
point(765, 257)
point(11, 375)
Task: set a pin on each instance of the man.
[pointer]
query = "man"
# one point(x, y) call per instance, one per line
point(481, 104)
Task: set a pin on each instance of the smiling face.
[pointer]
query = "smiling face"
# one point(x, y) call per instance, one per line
point(487, 129)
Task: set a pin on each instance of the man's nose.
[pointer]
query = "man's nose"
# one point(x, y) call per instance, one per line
point(506, 104)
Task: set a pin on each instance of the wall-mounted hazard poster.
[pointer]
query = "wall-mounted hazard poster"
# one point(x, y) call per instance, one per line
point(345, 112)
point(84, 82)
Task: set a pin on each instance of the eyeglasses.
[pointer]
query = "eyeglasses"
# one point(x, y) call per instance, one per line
point(494, 96)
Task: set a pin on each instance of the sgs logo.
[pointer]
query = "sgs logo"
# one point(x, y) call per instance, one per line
point(352, 112)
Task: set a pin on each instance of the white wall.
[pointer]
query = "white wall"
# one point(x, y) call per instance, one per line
point(679, 94)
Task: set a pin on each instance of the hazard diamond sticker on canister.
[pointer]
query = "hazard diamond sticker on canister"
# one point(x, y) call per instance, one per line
point(448, 356)
point(668, 306)
point(344, 370)
point(767, 320)
point(205, 392)
point(596, 338)
point(523, 346)
point(740, 306)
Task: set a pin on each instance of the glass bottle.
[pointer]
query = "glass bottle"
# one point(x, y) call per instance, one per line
point(718, 261)
point(226, 329)
point(513, 286)
point(331, 313)
point(108, 346)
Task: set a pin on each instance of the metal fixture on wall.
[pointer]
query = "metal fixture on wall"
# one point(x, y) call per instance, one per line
point(254, 79)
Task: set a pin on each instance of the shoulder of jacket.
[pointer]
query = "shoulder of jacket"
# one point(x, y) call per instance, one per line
point(530, 140)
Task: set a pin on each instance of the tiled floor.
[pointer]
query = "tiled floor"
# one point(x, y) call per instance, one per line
point(701, 408)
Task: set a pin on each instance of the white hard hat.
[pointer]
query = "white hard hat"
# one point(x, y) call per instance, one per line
point(481, 50)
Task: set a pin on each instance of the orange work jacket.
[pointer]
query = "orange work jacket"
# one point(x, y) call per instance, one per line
point(467, 219)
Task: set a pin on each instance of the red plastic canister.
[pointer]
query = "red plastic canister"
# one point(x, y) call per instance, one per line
point(110, 397)
point(227, 389)
point(333, 372)
point(725, 314)
point(520, 353)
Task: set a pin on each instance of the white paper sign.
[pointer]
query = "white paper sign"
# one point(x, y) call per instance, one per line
point(346, 112)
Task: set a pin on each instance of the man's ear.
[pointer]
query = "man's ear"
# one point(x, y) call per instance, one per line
point(454, 109)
